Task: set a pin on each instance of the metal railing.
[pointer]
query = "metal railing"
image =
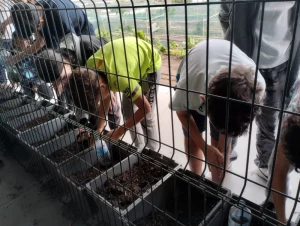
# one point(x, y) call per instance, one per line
point(57, 99)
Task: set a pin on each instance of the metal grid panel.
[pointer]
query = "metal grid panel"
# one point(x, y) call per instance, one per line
point(171, 27)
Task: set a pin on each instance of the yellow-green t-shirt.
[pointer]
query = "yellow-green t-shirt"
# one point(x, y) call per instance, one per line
point(111, 60)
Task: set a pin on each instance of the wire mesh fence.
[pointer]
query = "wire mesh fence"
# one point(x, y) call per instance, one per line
point(136, 109)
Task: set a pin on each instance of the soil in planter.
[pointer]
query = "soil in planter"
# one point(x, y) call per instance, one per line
point(4, 109)
point(85, 176)
point(65, 130)
point(68, 152)
point(123, 190)
point(35, 122)
point(18, 116)
point(179, 196)
point(156, 218)
point(39, 143)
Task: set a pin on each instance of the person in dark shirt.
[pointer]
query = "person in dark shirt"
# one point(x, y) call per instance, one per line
point(27, 74)
point(56, 68)
point(49, 21)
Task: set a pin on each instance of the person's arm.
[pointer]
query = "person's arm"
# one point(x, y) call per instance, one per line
point(144, 109)
point(221, 147)
point(103, 111)
point(279, 183)
point(213, 154)
point(224, 13)
point(4, 24)
point(38, 44)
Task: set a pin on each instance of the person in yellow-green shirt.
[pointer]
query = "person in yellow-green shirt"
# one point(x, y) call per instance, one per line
point(130, 66)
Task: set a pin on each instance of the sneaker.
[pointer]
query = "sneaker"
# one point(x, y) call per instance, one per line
point(233, 155)
point(263, 173)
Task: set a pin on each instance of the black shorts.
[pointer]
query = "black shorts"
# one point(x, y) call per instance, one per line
point(200, 121)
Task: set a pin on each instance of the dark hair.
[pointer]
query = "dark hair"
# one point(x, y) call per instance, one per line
point(70, 56)
point(25, 17)
point(49, 65)
point(241, 88)
point(84, 87)
point(289, 137)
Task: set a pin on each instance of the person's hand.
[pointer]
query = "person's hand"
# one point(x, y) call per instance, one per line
point(114, 134)
point(83, 135)
point(215, 157)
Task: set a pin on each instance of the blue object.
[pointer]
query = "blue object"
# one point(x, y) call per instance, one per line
point(102, 152)
point(239, 216)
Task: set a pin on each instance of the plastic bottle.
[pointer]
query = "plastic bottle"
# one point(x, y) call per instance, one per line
point(103, 153)
point(238, 217)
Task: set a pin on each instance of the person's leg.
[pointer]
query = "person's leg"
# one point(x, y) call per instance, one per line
point(114, 115)
point(270, 166)
point(149, 124)
point(266, 121)
point(150, 130)
point(128, 108)
point(195, 154)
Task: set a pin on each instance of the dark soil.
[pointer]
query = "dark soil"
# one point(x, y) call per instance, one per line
point(68, 152)
point(35, 122)
point(3, 109)
point(85, 176)
point(156, 218)
point(124, 188)
point(65, 130)
point(39, 143)
point(18, 116)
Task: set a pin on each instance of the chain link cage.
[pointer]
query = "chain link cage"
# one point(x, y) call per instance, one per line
point(83, 76)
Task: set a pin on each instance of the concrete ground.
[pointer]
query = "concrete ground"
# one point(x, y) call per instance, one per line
point(25, 202)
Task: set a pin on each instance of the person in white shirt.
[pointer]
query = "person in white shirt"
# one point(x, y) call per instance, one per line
point(190, 98)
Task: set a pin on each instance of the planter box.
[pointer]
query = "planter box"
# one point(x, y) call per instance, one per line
point(44, 131)
point(111, 214)
point(183, 197)
point(14, 124)
point(6, 94)
point(256, 219)
point(83, 163)
point(21, 110)
point(13, 103)
point(28, 108)
point(10, 105)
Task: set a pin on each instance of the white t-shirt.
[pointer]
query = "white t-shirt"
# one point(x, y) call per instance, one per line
point(277, 33)
point(218, 58)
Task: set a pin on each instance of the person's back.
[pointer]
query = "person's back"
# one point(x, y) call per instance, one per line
point(51, 19)
point(218, 58)
point(136, 61)
point(72, 18)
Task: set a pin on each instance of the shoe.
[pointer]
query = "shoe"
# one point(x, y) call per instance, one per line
point(233, 155)
point(263, 173)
